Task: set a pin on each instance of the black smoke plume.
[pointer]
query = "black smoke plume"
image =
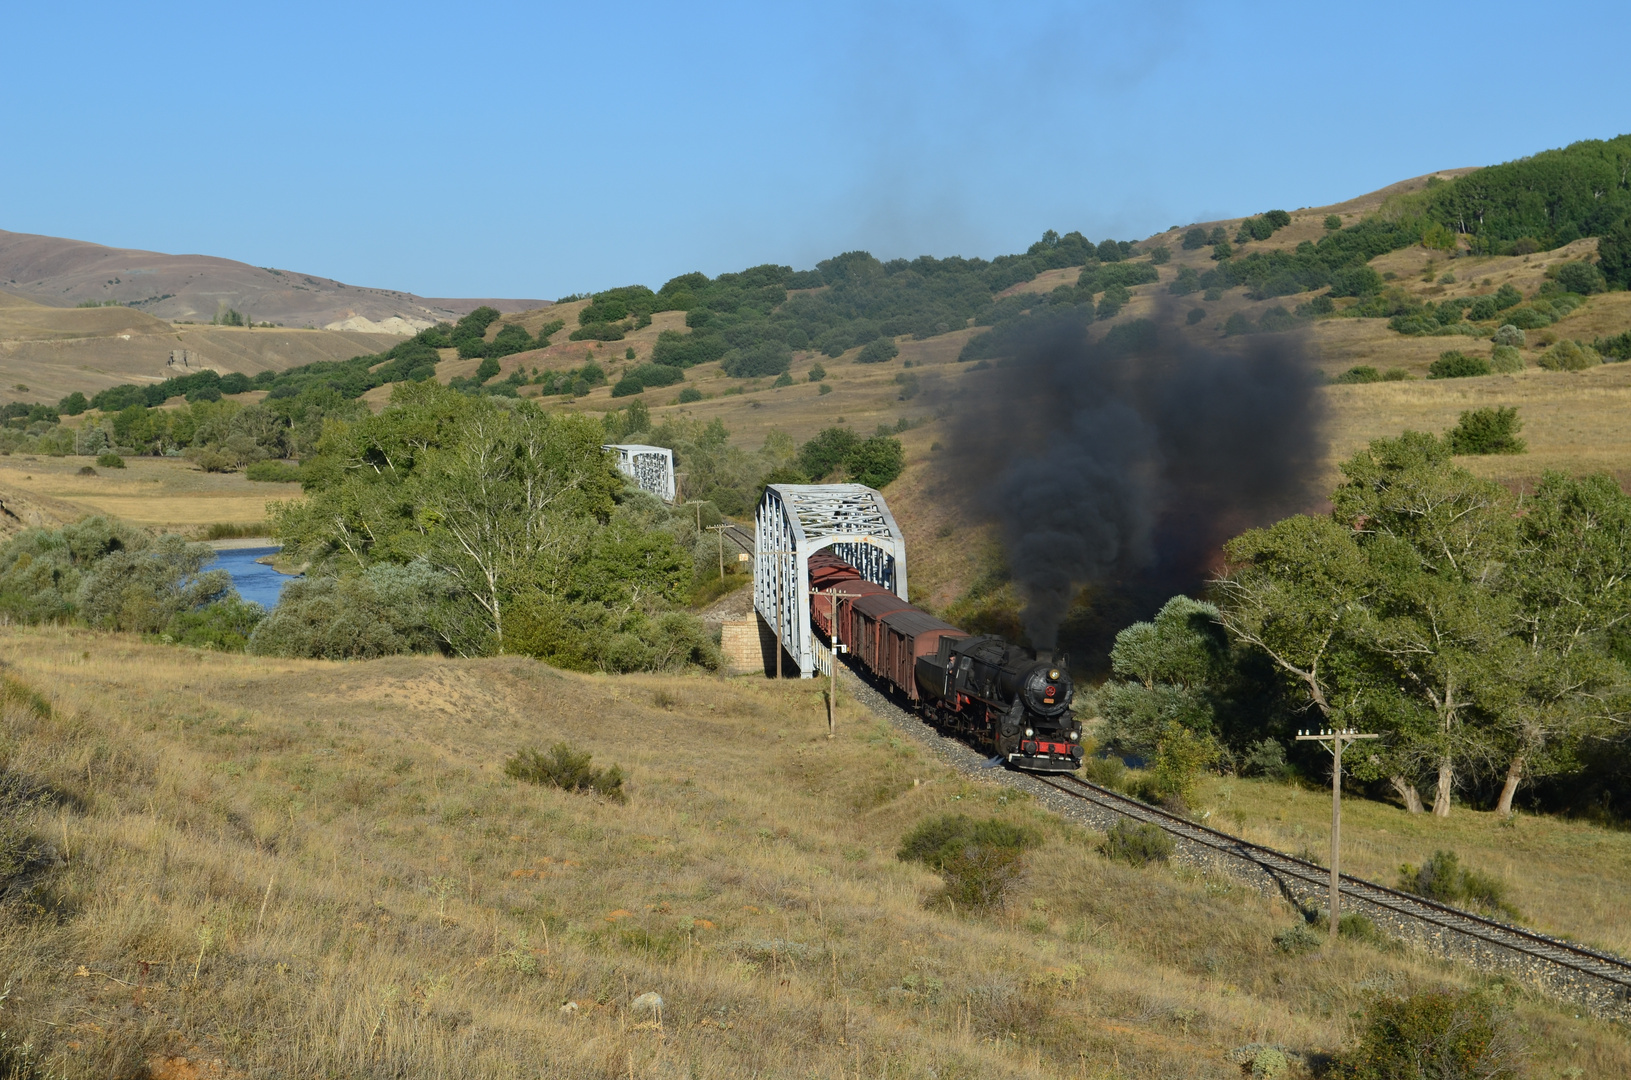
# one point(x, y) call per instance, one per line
point(1120, 466)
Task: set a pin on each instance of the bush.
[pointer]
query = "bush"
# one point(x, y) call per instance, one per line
point(690, 394)
point(1613, 254)
point(1457, 365)
point(825, 389)
point(1110, 772)
point(1238, 323)
point(1355, 281)
point(1487, 431)
point(1395, 374)
point(1507, 296)
point(760, 358)
point(1333, 222)
point(1361, 373)
point(1528, 318)
point(387, 609)
point(977, 859)
point(1195, 315)
point(1483, 308)
point(1509, 335)
point(1433, 1035)
point(1444, 879)
point(74, 404)
point(1297, 940)
point(1357, 927)
point(1137, 843)
point(110, 460)
point(817, 373)
point(1160, 255)
point(224, 625)
point(598, 331)
point(1194, 238)
point(1266, 757)
point(1569, 355)
point(566, 769)
point(1180, 757)
point(273, 472)
point(1580, 277)
point(877, 351)
point(784, 379)
point(1505, 360)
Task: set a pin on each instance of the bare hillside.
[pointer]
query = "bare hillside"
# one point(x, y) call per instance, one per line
point(64, 273)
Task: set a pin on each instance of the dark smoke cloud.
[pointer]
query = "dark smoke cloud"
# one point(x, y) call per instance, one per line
point(1123, 469)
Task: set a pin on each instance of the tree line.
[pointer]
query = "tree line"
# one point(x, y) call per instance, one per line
point(1485, 635)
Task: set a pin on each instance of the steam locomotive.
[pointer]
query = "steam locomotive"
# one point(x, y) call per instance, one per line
point(1002, 697)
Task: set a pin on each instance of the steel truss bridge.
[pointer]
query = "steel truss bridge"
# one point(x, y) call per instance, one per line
point(793, 522)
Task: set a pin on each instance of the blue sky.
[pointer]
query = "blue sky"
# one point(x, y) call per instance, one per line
point(531, 150)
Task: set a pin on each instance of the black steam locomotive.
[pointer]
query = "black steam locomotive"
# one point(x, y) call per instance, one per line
point(1002, 697)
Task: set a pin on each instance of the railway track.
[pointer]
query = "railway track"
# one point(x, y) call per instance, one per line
point(1599, 980)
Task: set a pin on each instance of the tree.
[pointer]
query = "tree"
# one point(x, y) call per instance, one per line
point(1435, 538)
point(1333, 222)
point(74, 404)
point(1614, 253)
point(877, 351)
point(1486, 431)
point(1580, 277)
point(826, 451)
point(1571, 578)
point(1166, 670)
point(486, 369)
point(1194, 238)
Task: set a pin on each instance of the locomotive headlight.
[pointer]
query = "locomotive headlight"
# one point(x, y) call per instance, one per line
point(1029, 733)
point(1076, 735)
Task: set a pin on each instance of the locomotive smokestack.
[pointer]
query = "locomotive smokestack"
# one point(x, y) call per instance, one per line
point(1127, 460)
point(1044, 656)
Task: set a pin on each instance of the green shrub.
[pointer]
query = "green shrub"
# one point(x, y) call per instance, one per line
point(1569, 355)
point(1137, 843)
point(1507, 296)
point(877, 351)
point(1181, 755)
point(759, 359)
point(817, 373)
point(628, 386)
point(110, 460)
point(1357, 927)
point(1505, 360)
point(1361, 373)
point(1433, 1035)
point(385, 610)
point(1194, 238)
point(1580, 277)
point(1266, 757)
point(1110, 772)
point(1483, 308)
point(1487, 431)
point(1160, 255)
point(1444, 879)
point(597, 331)
point(1195, 315)
point(273, 472)
point(1395, 374)
point(224, 625)
point(689, 395)
point(1297, 939)
point(1528, 318)
point(1510, 335)
point(1238, 323)
point(1333, 222)
point(1455, 364)
point(566, 769)
point(978, 860)
point(825, 389)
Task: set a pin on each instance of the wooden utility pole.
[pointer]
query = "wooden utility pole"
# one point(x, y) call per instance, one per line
point(719, 531)
point(1334, 741)
point(833, 596)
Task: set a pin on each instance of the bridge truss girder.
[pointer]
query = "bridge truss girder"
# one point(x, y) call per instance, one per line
point(793, 522)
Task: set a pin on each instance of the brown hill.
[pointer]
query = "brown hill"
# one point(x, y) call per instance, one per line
point(65, 273)
point(47, 353)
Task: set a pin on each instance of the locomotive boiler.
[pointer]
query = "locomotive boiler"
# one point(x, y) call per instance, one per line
point(1002, 697)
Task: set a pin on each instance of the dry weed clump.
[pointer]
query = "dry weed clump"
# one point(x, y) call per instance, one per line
point(568, 770)
point(311, 869)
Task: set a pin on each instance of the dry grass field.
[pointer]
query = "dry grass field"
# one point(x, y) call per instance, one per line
point(151, 493)
point(304, 869)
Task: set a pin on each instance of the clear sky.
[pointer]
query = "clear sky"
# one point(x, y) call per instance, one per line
point(531, 150)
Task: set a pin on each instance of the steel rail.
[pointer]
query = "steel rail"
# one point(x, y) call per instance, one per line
point(1597, 965)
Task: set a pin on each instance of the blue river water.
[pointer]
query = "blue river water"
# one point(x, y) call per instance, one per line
point(254, 581)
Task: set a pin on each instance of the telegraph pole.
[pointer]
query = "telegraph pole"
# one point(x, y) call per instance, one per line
point(1334, 741)
point(718, 531)
point(833, 596)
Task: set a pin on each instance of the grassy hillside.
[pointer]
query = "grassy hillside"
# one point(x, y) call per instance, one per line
point(247, 867)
